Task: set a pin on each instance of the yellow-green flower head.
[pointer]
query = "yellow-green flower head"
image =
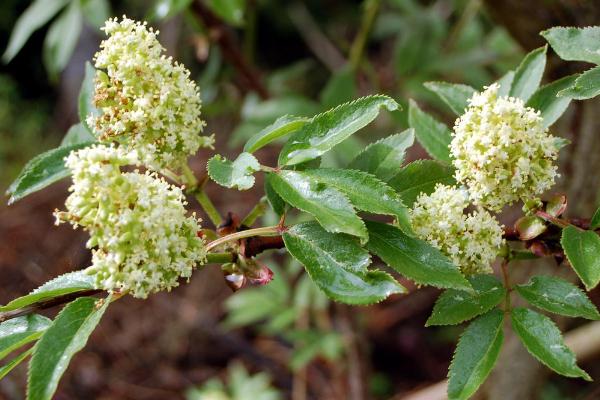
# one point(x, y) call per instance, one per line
point(141, 238)
point(502, 151)
point(148, 101)
point(472, 241)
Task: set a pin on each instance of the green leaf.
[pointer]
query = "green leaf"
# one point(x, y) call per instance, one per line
point(66, 336)
point(505, 83)
point(582, 249)
point(528, 74)
point(545, 99)
point(340, 88)
point(338, 265)
point(558, 296)
point(277, 203)
point(267, 111)
point(236, 173)
point(34, 17)
point(433, 135)
point(330, 207)
point(384, 157)
point(325, 130)
point(281, 127)
point(5, 369)
point(421, 177)
point(77, 134)
point(167, 8)
point(61, 39)
point(455, 306)
point(595, 222)
point(545, 342)
point(586, 86)
point(96, 12)
point(365, 192)
point(312, 344)
point(85, 102)
point(19, 331)
point(232, 11)
point(455, 95)
point(41, 171)
point(413, 258)
point(575, 44)
point(475, 356)
point(64, 284)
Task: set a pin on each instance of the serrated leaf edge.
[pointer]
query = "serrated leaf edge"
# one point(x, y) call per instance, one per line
point(389, 103)
point(525, 285)
point(499, 333)
point(401, 289)
point(459, 321)
point(584, 374)
point(363, 239)
point(587, 288)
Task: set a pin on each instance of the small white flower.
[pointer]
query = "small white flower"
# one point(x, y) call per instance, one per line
point(149, 103)
point(141, 238)
point(501, 150)
point(472, 241)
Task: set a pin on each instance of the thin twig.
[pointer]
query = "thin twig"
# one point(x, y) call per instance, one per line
point(263, 231)
point(196, 188)
point(506, 279)
point(49, 303)
point(221, 34)
point(208, 207)
point(258, 211)
point(360, 42)
point(316, 40)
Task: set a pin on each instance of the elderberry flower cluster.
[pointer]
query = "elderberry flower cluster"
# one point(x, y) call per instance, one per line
point(141, 237)
point(148, 102)
point(501, 150)
point(472, 240)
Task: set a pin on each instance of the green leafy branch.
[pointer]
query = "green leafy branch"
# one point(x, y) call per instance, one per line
point(337, 244)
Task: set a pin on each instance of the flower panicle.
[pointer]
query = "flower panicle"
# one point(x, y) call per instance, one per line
point(502, 151)
point(141, 237)
point(472, 241)
point(148, 102)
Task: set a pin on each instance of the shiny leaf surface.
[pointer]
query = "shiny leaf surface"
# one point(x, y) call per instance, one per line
point(455, 306)
point(338, 265)
point(329, 206)
point(384, 157)
point(324, 131)
point(475, 356)
point(544, 341)
point(413, 258)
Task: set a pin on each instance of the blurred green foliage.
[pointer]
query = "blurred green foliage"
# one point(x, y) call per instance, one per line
point(411, 42)
point(290, 307)
point(239, 385)
point(23, 129)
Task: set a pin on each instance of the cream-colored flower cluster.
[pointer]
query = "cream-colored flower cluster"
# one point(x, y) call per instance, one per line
point(472, 241)
point(501, 150)
point(141, 237)
point(148, 102)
